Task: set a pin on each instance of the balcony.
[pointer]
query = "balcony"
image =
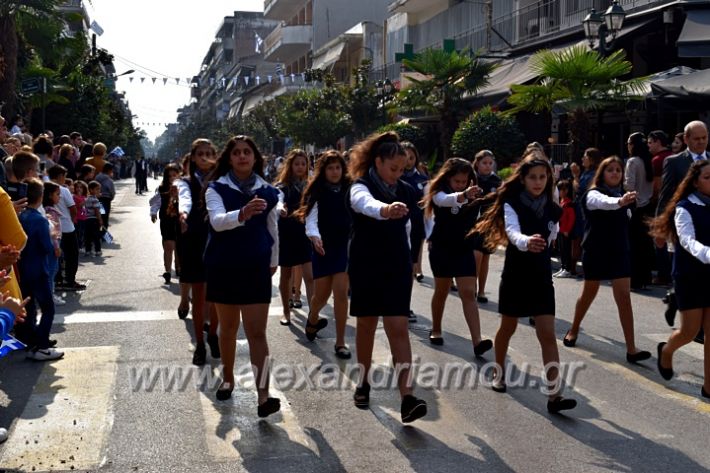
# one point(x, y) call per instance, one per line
point(288, 43)
point(282, 9)
point(75, 7)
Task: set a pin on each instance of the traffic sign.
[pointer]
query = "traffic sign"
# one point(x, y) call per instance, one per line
point(31, 85)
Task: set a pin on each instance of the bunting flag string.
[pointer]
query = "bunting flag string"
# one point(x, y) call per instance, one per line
point(244, 81)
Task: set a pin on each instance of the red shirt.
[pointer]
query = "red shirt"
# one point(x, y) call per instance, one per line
point(657, 162)
point(568, 216)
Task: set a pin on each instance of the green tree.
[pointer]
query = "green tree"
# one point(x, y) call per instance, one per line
point(449, 78)
point(576, 81)
point(362, 104)
point(486, 129)
point(315, 116)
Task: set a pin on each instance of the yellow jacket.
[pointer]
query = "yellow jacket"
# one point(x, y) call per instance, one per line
point(11, 233)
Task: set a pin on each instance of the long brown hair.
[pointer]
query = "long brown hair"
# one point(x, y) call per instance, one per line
point(316, 185)
point(663, 226)
point(378, 145)
point(451, 167)
point(192, 168)
point(492, 224)
point(223, 162)
point(599, 175)
point(286, 174)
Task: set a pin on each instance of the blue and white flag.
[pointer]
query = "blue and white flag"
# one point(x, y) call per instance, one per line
point(117, 151)
point(9, 343)
point(258, 42)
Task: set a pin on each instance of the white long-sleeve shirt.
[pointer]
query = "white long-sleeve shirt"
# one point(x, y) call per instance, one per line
point(221, 220)
point(312, 229)
point(364, 203)
point(515, 235)
point(442, 199)
point(686, 233)
point(598, 201)
point(184, 196)
point(635, 180)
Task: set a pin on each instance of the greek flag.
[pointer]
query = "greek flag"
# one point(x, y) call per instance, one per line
point(259, 42)
point(9, 344)
point(117, 151)
point(279, 70)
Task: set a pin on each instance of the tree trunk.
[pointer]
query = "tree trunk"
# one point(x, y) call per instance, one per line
point(578, 127)
point(8, 66)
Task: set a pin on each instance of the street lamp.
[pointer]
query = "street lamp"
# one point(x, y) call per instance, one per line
point(385, 93)
point(129, 71)
point(597, 26)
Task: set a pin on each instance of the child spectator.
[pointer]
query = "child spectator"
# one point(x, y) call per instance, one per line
point(80, 191)
point(564, 238)
point(93, 220)
point(70, 245)
point(50, 199)
point(34, 277)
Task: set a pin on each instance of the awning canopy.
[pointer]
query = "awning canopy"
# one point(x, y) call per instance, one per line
point(694, 40)
point(691, 86)
point(509, 72)
point(329, 56)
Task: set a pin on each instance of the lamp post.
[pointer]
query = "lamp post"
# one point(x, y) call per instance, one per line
point(598, 26)
point(385, 93)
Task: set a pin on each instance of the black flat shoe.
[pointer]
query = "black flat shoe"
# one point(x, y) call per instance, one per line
point(224, 391)
point(636, 357)
point(419, 277)
point(412, 409)
point(560, 404)
point(270, 406)
point(297, 304)
point(412, 318)
point(569, 342)
point(482, 347)
point(213, 342)
point(315, 328)
point(199, 358)
point(700, 338)
point(454, 288)
point(182, 312)
point(285, 322)
point(482, 299)
point(362, 396)
point(704, 393)
point(666, 373)
point(342, 352)
point(166, 276)
point(438, 341)
point(499, 387)
point(531, 321)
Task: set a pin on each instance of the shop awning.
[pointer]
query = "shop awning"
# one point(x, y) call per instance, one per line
point(694, 40)
point(329, 56)
point(691, 86)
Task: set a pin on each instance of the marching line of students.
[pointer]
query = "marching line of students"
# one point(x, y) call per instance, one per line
point(358, 221)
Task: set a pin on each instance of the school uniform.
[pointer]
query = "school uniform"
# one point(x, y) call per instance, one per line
point(239, 255)
point(605, 246)
point(160, 206)
point(451, 252)
point(526, 288)
point(330, 220)
point(380, 264)
point(489, 186)
point(190, 245)
point(418, 182)
point(295, 247)
point(691, 259)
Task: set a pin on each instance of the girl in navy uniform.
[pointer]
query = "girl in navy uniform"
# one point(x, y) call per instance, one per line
point(418, 181)
point(606, 254)
point(380, 265)
point(489, 183)
point(328, 225)
point(191, 241)
point(295, 247)
point(525, 218)
point(686, 222)
point(163, 205)
point(241, 256)
point(451, 252)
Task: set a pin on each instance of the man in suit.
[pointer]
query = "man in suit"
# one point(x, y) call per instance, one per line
point(141, 174)
point(675, 169)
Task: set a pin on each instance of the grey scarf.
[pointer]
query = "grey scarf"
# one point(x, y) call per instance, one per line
point(703, 198)
point(389, 191)
point(612, 191)
point(246, 186)
point(536, 204)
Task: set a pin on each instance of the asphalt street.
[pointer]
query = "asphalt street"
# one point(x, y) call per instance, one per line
point(126, 398)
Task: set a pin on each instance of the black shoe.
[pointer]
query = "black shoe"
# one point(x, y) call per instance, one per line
point(284, 321)
point(453, 288)
point(419, 277)
point(297, 304)
point(206, 327)
point(213, 342)
point(362, 396)
point(199, 358)
point(666, 373)
point(73, 286)
point(499, 387)
point(412, 409)
point(700, 338)
point(531, 321)
point(342, 352)
point(438, 341)
point(224, 391)
point(412, 318)
point(482, 347)
point(672, 308)
point(703, 392)
point(482, 299)
point(182, 312)
point(636, 357)
point(166, 276)
point(52, 343)
point(569, 342)
point(270, 406)
point(315, 328)
point(560, 404)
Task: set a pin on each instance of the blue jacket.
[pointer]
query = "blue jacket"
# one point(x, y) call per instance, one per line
point(7, 319)
point(33, 262)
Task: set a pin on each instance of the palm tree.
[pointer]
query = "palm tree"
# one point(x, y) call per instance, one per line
point(576, 81)
point(449, 78)
point(10, 13)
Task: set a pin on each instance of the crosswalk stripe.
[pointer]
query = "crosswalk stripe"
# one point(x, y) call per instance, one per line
point(68, 416)
point(129, 316)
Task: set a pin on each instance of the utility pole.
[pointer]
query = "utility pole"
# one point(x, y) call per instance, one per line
point(44, 111)
point(489, 24)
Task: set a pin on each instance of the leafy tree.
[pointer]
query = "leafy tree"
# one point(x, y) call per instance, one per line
point(486, 129)
point(362, 104)
point(449, 78)
point(408, 132)
point(315, 116)
point(576, 81)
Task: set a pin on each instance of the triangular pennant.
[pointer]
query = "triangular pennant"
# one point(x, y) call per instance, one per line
point(153, 79)
point(177, 81)
point(142, 79)
point(165, 80)
point(130, 79)
point(246, 80)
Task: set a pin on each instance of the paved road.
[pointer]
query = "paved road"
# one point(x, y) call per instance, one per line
point(125, 397)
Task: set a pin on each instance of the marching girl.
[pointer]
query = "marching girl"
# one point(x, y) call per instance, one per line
point(524, 216)
point(295, 247)
point(241, 256)
point(328, 225)
point(191, 241)
point(418, 181)
point(489, 182)
point(686, 222)
point(380, 265)
point(451, 252)
point(164, 205)
point(606, 253)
